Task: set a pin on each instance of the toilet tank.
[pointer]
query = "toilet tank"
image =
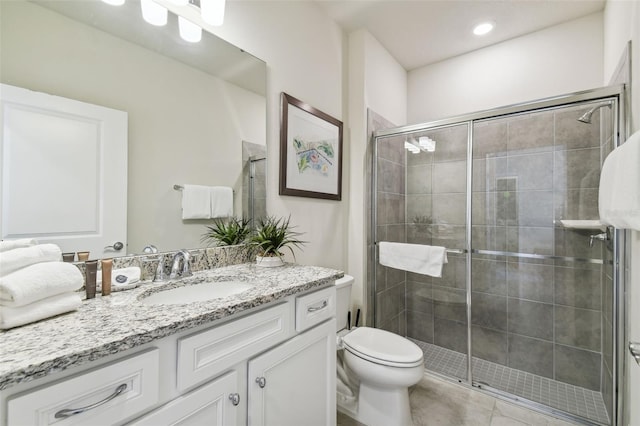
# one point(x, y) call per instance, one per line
point(343, 301)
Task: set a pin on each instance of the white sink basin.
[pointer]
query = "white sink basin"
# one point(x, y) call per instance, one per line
point(196, 293)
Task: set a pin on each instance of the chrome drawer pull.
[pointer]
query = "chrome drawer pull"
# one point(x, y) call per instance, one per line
point(62, 414)
point(317, 308)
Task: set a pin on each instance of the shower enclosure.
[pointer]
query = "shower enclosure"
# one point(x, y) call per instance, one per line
point(527, 305)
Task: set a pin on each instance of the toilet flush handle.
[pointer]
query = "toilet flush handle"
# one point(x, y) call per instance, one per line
point(261, 381)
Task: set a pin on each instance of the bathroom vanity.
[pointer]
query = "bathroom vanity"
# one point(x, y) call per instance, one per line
point(264, 356)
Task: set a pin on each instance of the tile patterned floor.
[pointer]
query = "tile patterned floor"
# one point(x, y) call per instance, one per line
point(436, 402)
point(571, 399)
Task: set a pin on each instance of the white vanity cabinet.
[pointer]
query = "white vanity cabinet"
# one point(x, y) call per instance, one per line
point(289, 385)
point(274, 366)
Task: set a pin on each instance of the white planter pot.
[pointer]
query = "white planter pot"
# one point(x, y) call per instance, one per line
point(269, 261)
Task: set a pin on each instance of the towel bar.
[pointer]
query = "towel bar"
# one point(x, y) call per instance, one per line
point(181, 187)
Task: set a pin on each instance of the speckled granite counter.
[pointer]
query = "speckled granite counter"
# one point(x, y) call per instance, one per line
point(105, 326)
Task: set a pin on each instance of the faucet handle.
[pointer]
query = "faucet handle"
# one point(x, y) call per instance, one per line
point(186, 267)
point(160, 275)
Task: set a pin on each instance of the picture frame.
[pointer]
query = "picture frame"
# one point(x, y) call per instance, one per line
point(310, 151)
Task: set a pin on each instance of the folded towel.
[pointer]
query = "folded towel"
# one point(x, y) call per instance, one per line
point(12, 260)
point(39, 281)
point(221, 201)
point(122, 279)
point(619, 194)
point(14, 244)
point(196, 202)
point(422, 259)
point(45, 308)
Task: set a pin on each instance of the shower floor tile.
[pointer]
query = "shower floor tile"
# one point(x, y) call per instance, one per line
point(562, 396)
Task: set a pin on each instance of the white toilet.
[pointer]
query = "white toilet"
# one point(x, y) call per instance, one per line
point(375, 369)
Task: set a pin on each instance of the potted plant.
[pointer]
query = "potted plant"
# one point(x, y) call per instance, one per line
point(227, 232)
point(271, 238)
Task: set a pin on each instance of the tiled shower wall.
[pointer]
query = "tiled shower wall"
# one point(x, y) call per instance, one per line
point(548, 317)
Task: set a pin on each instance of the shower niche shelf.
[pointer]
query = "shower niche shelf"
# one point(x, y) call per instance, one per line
point(582, 224)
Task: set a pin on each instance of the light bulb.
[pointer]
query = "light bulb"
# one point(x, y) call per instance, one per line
point(483, 28)
point(114, 2)
point(154, 13)
point(189, 31)
point(212, 11)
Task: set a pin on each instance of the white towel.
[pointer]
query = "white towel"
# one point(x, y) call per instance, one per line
point(619, 194)
point(39, 281)
point(422, 259)
point(221, 201)
point(12, 260)
point(45, 308)
point(196, 202)
point(14, 244)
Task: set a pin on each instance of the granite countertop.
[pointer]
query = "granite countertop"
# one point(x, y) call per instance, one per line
point(112, 324)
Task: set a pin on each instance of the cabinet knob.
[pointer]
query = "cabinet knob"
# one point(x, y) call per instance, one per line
point(261, 381)
point(234, 398)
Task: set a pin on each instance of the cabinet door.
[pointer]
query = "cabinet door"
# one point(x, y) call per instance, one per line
point(295, 383)
point(216, 403)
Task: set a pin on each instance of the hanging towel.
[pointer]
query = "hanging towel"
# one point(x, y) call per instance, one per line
point(619, 194)
point(45, 308)
point(14, 244)
point(39, 281)
point(221, 201)
point(423, 259)
point(196, 202)
point(12, 260)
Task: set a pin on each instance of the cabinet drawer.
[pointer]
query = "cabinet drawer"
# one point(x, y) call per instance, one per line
point(204, 355)
point(106, 395)
point(216, 403)
point(313, 308)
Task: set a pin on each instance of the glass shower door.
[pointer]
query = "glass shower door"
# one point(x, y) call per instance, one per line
point(537, 299)
point(421, 190)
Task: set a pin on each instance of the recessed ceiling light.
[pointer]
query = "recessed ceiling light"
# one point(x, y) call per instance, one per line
point(483, 28)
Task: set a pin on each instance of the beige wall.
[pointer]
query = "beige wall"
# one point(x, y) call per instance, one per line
point(561, 59)
point(379, 83)
point(185, 126)
point(305, 54)
point(621, 24)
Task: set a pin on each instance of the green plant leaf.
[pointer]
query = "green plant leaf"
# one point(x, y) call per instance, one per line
point(227, 232)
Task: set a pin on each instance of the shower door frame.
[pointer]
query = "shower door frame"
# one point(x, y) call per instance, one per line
point(619, 312)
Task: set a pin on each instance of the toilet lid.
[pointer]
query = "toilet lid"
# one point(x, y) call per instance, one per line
point(383, 347)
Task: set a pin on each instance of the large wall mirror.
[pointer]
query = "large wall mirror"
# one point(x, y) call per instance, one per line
point(190, 106)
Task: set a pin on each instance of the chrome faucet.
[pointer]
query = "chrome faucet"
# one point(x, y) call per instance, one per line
point(186, 267)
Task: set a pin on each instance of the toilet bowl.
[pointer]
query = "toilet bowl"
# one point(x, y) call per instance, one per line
point(380, 366)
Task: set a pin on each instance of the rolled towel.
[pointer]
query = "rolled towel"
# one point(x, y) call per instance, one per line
point(45, 308)
point(39, 281)
point(12, 260)
point(14, 244)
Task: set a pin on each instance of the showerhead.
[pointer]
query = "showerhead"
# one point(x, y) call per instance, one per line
point(586, 117)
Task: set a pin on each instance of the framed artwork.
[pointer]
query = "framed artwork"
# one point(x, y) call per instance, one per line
point(310, 151)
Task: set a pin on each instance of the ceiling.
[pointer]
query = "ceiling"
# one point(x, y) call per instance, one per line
point(421, 32)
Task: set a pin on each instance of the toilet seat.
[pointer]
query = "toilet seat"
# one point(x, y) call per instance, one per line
point(382, 347)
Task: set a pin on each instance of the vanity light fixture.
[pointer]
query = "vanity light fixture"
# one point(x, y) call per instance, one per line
point(189, 31)
point(154, 13)
point(114, 2)
point(483, 28)
point(212, 11)
point(180, 2)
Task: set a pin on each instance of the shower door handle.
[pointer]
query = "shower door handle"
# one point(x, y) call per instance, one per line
point(634, 348)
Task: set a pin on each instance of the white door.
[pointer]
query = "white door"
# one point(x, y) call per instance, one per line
point(64, 171)
point(633, 376)
point(295, 383)
point(214, 404)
